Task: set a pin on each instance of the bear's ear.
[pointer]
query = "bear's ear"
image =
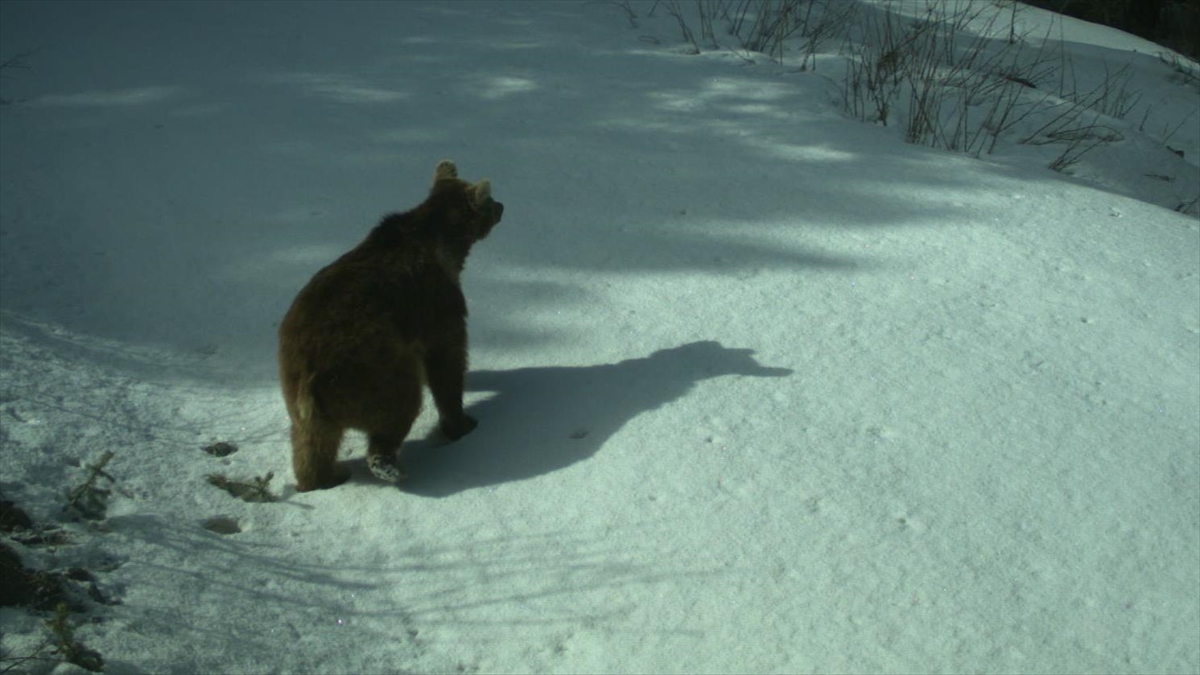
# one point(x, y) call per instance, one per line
point(445, 169)
point(481, 192)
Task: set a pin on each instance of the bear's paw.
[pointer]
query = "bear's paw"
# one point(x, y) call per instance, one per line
point(385, 469)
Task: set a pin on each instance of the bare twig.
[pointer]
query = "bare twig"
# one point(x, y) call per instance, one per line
point(37, 654)
point(630, 15)
point(15, 62)
point(676, 11)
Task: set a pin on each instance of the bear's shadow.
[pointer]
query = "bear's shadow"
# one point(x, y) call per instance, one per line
point(539, 420)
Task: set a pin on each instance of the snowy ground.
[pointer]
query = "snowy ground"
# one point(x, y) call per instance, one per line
point(761, 388)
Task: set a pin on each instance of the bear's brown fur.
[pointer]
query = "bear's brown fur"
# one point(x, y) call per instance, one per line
point(368, 330)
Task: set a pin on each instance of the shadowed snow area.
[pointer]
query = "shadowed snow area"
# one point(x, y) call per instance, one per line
point(760, 387)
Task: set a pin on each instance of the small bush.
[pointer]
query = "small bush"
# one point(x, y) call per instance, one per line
point(65, 644)
point(88, 499)
point(254, 490)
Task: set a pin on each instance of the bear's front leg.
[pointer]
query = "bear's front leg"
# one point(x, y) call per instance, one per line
point(445, 371)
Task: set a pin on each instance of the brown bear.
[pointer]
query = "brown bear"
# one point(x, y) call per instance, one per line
point(369, 329)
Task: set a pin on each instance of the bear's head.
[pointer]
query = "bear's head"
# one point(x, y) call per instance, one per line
point(475, 210)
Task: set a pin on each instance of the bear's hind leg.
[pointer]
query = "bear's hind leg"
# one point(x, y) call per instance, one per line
point(314, 456)
point(445, 370)
point(388, 434)
point(383, 457)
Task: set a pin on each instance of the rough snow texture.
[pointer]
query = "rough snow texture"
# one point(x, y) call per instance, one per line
point(966, 439)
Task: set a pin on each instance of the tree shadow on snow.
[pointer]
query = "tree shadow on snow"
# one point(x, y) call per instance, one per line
point(544, 419)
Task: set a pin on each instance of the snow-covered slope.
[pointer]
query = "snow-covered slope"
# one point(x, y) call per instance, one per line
point(761, 388)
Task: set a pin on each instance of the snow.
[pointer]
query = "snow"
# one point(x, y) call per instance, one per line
point(761, 388)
